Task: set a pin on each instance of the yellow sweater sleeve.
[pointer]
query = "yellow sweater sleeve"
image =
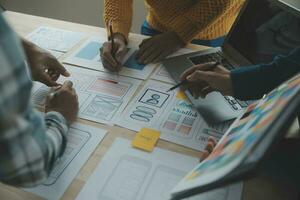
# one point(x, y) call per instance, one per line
point(120, 13)
point(200, 15)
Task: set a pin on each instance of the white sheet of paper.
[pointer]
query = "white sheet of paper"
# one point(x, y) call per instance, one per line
point(127, 173)
point(161, 74)
point(101, 96)
point(55, 39)
point(82, 141)
point(56, 54)
point(175, 117)
point(130, 174)
point(88, 56)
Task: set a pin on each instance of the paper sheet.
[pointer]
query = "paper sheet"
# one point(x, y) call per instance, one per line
point(56, 54)
point(171, 114)
point(55, 39)
point(129, 174)
point(82, 141)
point(101, 96)
point(88, 55)
point(161, 74)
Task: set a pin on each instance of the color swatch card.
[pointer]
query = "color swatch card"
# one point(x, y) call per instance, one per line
point(250, 136)
point(125, 173)
point(55, 39)
point(82, 141)
point(88, 55)
point(101, 96)
point(171, 114)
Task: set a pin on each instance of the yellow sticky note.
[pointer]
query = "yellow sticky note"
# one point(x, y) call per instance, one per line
point(181, 95)
point(146, 139)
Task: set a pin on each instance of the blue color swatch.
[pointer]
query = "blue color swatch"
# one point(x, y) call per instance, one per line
point(132, 63)
point(90, 51)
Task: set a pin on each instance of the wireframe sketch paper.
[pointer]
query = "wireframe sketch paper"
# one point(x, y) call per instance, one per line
point(55, 39)
point(88, 55)
point(82, 141)
point(130, 174)
point(101, 96)
point(260, 123)
point(161, 74)
point(172, 114)
point(56, 54)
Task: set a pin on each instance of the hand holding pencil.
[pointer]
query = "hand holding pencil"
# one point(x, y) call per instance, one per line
point(113, 51)
point(205, 78)
point(63, 99)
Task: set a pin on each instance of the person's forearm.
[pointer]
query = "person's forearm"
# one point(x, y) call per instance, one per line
point(119, 13)
point(255, 81)
point(32, 154)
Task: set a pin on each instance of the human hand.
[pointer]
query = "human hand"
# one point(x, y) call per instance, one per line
point(45, 68)
point(113, 62)
point(158, 47)
point(205, 78)
point(211, 143)
point(63, 99)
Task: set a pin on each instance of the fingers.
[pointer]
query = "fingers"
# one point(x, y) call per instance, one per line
point(199, 75)
point(67, 85)
point(210, 146)
point(144, 50)
point(55, 88)
point(144, 42)
point(200, 82)
point(205, 91)
point(204, 155)
point(150, 55)
point(212, 140)
point(121, 52)
point(108, 61)
point(48, 81)
point(211, 143)
point(54, 65)
point(162, 56)
point(201, 67)
point(188, 72)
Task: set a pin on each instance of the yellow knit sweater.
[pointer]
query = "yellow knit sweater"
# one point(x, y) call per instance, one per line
point(190, 19)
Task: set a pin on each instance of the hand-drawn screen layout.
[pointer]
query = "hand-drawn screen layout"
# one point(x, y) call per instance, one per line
point(82, 141)
point(57, 40)
point(76, 140)
point(88, 55)
point(130, 174)
point(161, 74)
point(101, 96)
point(172, 114)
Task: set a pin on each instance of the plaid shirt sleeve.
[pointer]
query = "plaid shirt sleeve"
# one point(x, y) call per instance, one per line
point(30, 143)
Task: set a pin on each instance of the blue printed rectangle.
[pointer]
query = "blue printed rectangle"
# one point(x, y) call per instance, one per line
point(132, 63)
point(90, 51)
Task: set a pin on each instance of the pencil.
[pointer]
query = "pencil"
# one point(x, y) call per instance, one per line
point(184, 82)
point(111, 38)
